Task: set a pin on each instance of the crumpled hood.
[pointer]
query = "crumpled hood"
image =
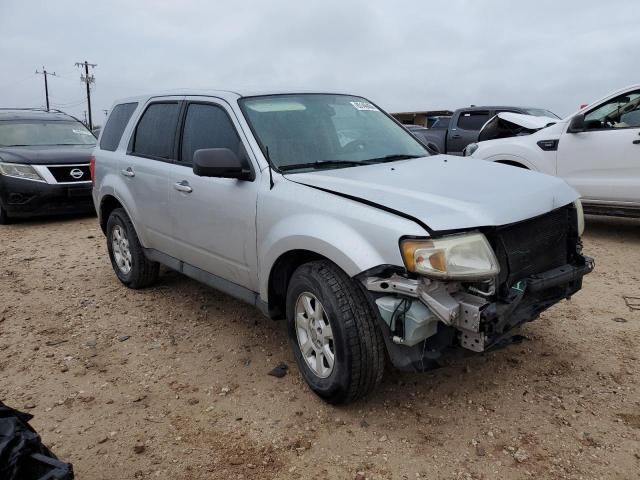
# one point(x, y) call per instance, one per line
point(447, 192)
point(47, 154)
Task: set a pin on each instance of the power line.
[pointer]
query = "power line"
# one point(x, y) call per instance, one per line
point(46, 85)
point(87, 80)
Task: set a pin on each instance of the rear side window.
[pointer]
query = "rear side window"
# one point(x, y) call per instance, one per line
point(208, 126)
point(473, 120)
point(156, 130)
point(115, 126)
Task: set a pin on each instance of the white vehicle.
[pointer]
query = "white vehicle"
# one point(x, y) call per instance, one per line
point(596, 151)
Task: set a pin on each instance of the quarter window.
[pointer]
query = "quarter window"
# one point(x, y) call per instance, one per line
point(208, 126)
point(156, 130)
point(115, 126)
point(473, 120)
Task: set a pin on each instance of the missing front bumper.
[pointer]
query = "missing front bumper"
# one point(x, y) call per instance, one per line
point(477, 322)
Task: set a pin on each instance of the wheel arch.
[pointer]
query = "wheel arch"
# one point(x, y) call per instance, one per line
point(280, 276)
point(107, 205)
point(513, 163)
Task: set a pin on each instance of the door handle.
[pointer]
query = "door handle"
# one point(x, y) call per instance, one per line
point(183, 186)
point(456, 137)
point(636, 142)
point(128, 172)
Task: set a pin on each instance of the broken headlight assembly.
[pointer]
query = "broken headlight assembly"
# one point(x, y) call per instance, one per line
point(16, 170)
point(470, 149)
point(465, 257)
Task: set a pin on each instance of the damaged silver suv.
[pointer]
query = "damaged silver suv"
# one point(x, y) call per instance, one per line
point(320, 208)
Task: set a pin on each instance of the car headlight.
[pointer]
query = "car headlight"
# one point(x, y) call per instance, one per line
point(470, 149)
point(580, 214)
point(17, 170)
point(457, 257)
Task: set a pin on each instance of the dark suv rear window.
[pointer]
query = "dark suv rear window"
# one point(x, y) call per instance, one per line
point(156, 130)
point(115, 126)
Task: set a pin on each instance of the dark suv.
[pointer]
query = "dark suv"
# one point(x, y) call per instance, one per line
point(44, 164)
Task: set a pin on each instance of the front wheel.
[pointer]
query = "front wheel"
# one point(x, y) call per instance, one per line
point(333, 332)
point(127, 256)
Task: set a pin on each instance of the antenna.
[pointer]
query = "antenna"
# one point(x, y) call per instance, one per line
point(268, 157)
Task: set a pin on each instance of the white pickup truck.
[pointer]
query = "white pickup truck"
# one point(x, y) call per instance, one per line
point(596, 151)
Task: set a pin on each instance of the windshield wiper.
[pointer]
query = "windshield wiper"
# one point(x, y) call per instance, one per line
point(391, 158)
point(320, 164)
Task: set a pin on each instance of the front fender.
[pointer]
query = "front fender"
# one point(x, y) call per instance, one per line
point(512, 158)
point(523, 150)
point(327, 236)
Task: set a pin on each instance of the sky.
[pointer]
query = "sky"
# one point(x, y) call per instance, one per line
point(404, 56)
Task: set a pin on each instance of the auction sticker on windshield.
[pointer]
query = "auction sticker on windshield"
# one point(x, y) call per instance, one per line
point(364, 106)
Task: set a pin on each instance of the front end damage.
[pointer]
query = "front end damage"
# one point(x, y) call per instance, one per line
point(541, 263)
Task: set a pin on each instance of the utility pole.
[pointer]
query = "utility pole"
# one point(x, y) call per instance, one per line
point(106, 112)
point(46, 85)
point(88, 80)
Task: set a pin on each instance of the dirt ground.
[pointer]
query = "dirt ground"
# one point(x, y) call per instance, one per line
point(171, 382)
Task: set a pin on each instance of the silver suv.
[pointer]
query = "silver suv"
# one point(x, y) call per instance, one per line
point(320, 208)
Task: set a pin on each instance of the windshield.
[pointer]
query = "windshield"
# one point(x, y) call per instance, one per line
point(42, 132)
point(329, 131)
point(541, 112)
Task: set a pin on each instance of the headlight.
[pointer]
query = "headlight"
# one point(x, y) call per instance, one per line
point(470, 149)
point(580, 212)
point(17, 170)
point(458, 257)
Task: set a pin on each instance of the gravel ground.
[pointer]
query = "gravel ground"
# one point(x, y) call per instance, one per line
point(172, 381)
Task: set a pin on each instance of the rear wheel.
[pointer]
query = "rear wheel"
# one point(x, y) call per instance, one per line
point(333, 332)
point(127, 256)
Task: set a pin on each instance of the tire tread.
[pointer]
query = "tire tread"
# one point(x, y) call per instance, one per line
point(363, 335)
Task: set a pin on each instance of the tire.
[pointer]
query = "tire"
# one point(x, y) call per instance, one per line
point(4, 218)
point(357, 343)
point(127, 256)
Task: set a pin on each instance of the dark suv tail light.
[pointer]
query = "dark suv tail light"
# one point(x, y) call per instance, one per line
point(92, 169)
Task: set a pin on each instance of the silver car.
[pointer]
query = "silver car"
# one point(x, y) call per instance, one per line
point(321, 209)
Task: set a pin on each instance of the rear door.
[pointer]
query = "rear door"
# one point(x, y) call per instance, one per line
point(145, 170)
point(213, 220)
point(603, 161)
point(466, 129)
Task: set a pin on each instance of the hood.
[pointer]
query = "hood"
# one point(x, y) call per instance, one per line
point(447, 192)
point(508, 124)
point(47, 154)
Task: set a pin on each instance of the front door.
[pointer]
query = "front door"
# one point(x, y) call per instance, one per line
point(603, 162)
point(213, 219)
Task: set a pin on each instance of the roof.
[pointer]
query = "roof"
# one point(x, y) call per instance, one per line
point(33, 114)
point(228, 95)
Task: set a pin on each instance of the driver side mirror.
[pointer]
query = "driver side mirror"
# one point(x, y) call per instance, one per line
point(577, 124)
point(220, 163)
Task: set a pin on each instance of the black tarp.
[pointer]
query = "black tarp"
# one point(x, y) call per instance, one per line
point(22, 454)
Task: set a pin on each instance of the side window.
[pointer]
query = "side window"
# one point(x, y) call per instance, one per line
point(619, 112)
point(115, 126)
point(156, 130)
point(473, 120)
point(208, 126)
